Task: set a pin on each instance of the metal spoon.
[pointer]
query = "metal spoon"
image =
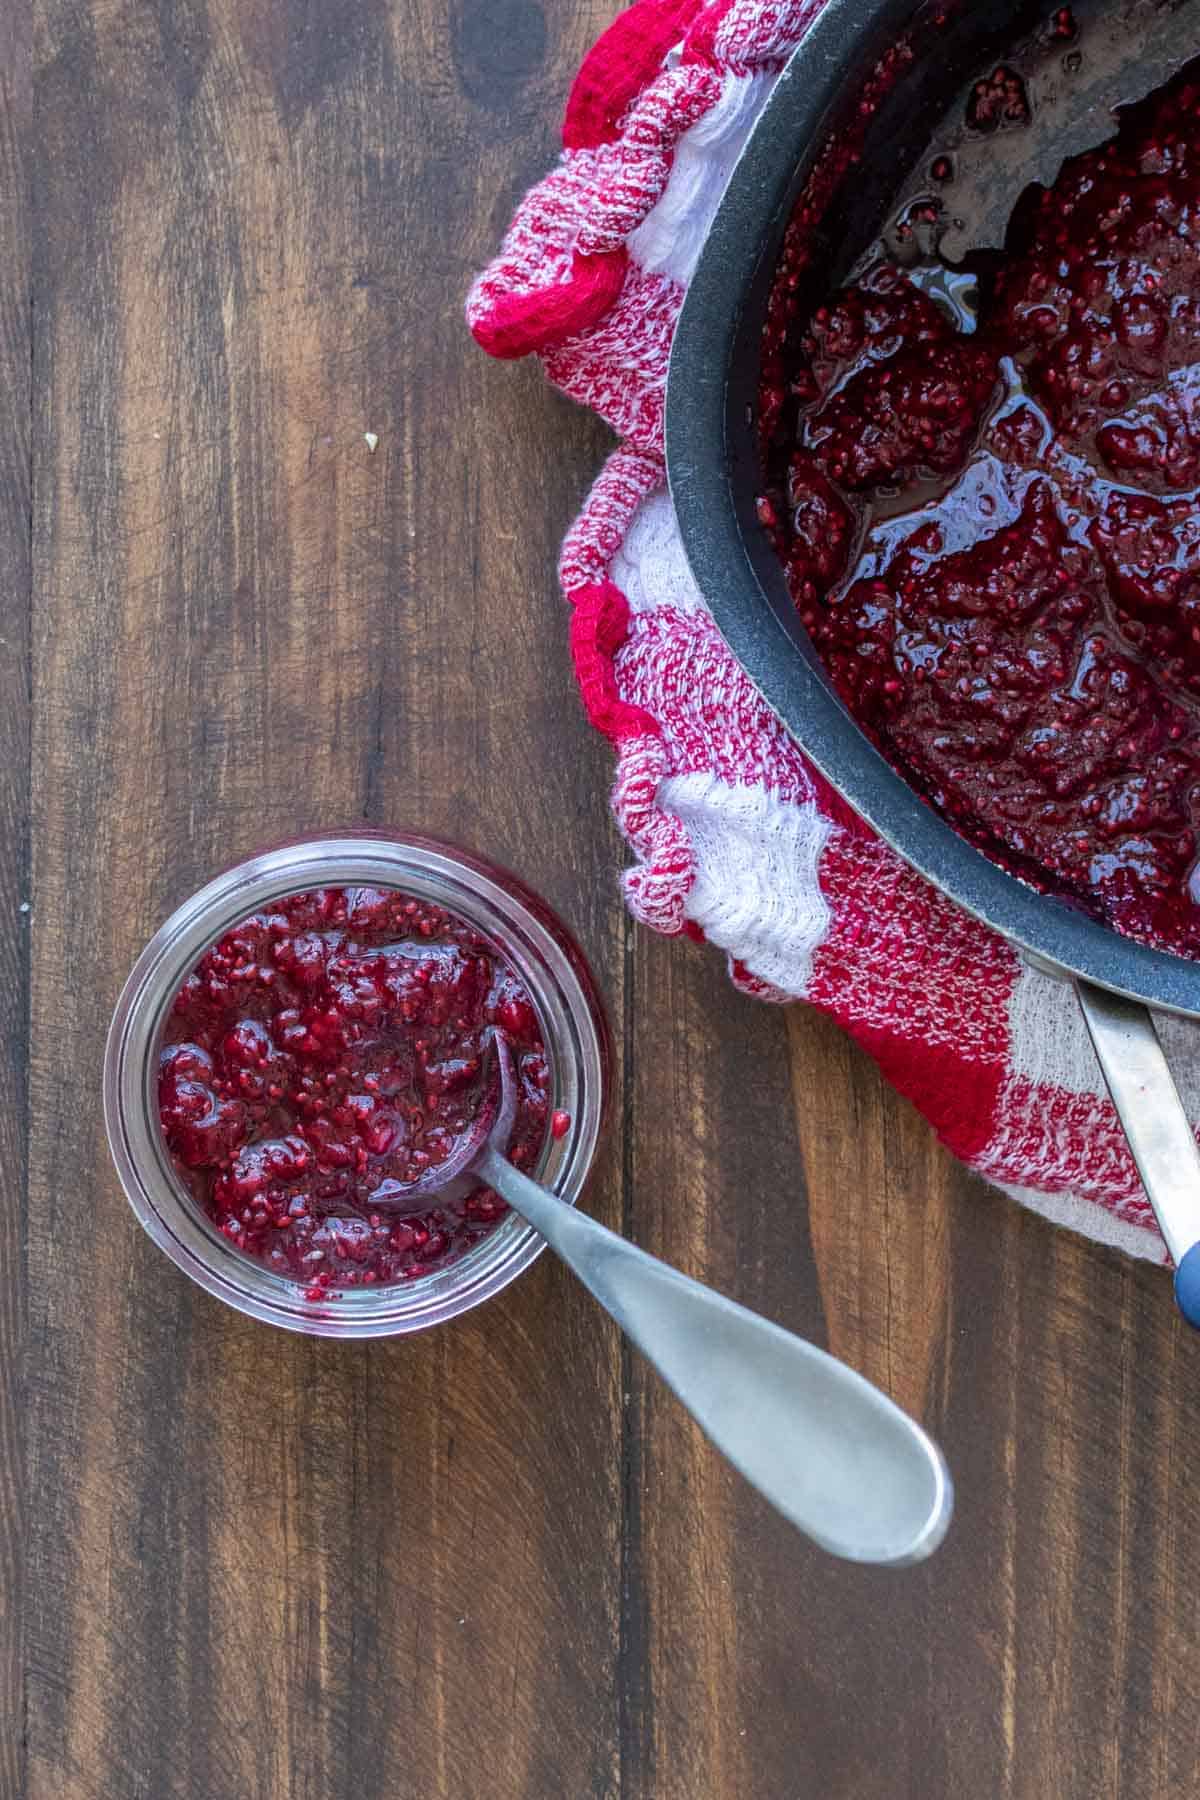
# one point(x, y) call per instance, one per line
point(818, 1440)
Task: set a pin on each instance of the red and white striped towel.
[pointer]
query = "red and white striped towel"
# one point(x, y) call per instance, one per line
point(737, 839)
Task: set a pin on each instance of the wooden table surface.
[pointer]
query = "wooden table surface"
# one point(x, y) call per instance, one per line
point(497, 1561)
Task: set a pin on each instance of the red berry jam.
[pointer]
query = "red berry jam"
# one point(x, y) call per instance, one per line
point(991, 525)
point(324, 1053)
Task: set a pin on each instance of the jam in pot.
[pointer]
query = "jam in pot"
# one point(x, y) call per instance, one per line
point(990, 520)
point(325, 1052)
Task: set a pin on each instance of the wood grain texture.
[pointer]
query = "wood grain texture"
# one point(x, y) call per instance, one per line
point(495, 1562)
point(262, 1566)
point(15, 606)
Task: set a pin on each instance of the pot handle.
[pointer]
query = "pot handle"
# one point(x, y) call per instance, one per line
point(1147, 1101)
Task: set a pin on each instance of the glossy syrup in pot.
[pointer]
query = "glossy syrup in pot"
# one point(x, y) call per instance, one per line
point(982, 477)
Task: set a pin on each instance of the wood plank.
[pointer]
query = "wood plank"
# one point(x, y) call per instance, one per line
point(717, 1189)
point(266, 1567)
point(15, 124)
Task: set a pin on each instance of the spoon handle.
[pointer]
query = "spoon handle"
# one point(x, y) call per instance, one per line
point(820, 1442)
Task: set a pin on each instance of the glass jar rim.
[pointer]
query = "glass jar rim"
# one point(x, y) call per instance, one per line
point(525, 930)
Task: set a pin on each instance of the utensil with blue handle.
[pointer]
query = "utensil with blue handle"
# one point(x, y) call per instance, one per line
point(1160, 1136)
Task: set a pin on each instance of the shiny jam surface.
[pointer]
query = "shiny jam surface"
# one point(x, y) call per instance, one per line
point(323, 1053)
point(991, 525)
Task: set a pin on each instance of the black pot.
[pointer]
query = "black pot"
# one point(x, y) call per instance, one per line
point(1130, 47)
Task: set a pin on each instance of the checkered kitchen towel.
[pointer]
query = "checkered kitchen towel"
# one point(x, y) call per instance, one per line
point(736, 839)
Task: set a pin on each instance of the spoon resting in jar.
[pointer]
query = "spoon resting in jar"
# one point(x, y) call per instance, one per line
point(819, 1441)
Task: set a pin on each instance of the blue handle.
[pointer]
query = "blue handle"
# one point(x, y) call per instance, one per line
point(1187, 1286)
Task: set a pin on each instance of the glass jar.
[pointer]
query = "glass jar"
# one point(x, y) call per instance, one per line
point(523, 929)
